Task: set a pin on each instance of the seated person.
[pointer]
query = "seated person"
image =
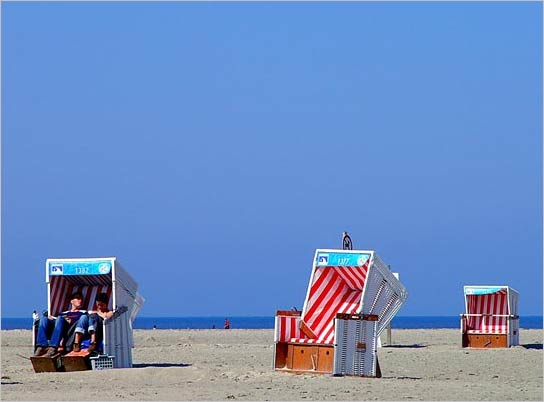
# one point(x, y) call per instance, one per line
point(54, 330)
point(96, 320)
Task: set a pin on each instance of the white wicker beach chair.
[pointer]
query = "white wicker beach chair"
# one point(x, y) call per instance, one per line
point(491, 317)
point(92, 276)
point(352, 296)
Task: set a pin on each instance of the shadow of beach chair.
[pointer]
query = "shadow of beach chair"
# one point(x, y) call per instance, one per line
point(92, 276)
point(491, 317)
point(351, 298)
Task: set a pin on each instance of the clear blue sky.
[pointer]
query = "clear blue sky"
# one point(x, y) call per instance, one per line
point(213, 147)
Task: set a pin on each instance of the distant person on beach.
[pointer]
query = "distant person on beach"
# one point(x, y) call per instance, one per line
point(35, 316)
point(227, 323)
point(96, 322)
point(54, 330)
point(154, 327)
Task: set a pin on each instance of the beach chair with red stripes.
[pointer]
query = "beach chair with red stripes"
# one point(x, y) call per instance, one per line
point(92, 276)
point(491, 317)
point(352, 296)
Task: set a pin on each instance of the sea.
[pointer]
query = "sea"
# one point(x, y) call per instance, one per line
point(267, 322)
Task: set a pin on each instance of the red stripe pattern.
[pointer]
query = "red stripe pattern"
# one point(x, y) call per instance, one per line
point(306, 340)
point(61, 289)
point(287, 327)
point(335, 289)
point(489, 309)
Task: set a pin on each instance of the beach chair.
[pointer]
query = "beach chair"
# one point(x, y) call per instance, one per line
point(351, 298)
point(92, 276)
point(491, 317)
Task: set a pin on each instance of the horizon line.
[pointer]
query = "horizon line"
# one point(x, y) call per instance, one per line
point(270, 316)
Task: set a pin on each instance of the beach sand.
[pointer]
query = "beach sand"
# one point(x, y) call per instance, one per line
point(237, 365)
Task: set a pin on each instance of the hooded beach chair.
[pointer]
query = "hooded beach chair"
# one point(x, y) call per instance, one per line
point(491, 319)
point(92, 276)
point(352, 296)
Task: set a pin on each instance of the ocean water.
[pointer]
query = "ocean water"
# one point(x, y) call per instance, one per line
point(412, 322)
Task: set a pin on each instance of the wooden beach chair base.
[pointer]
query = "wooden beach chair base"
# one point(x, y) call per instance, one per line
point(485, 341)
point(42, 364)
point(304, 358)
point(77, 361)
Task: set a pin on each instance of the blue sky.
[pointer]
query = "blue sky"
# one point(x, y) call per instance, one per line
point(212, 147)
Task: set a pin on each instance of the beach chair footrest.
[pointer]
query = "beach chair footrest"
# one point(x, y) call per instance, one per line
point(76, 361)
point(485, 341)
point(42, 364)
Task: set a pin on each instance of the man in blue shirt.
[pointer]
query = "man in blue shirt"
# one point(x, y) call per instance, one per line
point(53, 330)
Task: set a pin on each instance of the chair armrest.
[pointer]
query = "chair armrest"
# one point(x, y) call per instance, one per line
point(306, 330)
point(289, 313)
point(487, 315)
point(119, 311)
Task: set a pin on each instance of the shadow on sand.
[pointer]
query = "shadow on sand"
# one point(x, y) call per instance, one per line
point(414, 346)
point(532, 346)
point(143, 365)
point(403, 378)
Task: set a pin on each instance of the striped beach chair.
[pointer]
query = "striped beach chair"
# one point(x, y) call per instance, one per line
point(92, 276)
point(352, 296)
point(491, 317)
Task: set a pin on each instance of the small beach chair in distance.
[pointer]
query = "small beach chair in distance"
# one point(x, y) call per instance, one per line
point(92, 276)
point(351, 298)
point(491, 317)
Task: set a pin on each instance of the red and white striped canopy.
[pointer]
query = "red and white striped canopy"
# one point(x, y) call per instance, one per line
point(332, 290)
point(488, 308)
point(62, 287)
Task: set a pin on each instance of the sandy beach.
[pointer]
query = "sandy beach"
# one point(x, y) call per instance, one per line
point(237, 365)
